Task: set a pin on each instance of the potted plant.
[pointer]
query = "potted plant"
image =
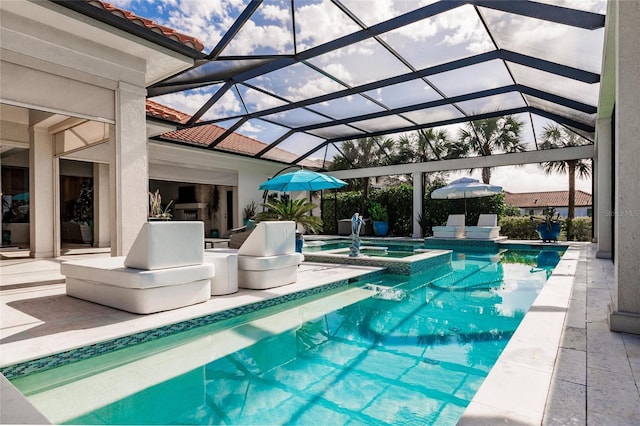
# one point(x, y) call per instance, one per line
point(549, 228)
point(156, 211)
point(380, 218)
point(295, 210)
point(249, 212)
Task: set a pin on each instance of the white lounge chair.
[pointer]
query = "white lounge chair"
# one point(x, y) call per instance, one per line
point(163, 270)
point(486, 229)
point(453, 229)
point(267, 258)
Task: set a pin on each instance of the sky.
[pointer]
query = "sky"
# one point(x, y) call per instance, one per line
point(447, 36)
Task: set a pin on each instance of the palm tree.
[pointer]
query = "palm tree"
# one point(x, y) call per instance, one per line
point(419, 147)
point(554, 136)
point(488, 136)
point(423, 145)
point(363, 152)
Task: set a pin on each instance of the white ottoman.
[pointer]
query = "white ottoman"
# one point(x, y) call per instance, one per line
point(226, 264)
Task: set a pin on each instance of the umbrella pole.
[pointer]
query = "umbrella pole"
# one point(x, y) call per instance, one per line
point(464, 196)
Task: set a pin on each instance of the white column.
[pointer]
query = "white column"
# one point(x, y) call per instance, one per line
point(41, 193)
point(625, 315)
point(129, 171)
point(417, 203)
point(603, 210)
point(101, 205)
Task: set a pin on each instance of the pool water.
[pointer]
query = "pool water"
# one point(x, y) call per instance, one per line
point(398, 350)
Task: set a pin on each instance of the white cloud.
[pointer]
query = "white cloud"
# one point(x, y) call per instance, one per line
point(464, 27)
point(260, 100)
point(253, 38)
point(250, 129)
point(190, 102)
point(311, 88)
point(527, 178)
point(319, 23)
point(275, 13)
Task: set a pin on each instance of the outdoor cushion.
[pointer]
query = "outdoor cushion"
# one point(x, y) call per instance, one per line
point(488, 220)
point(270, 239)
point(486, 228)
point(260, 280)
point(164, 244)
point(453, 229)
point(137, 300)
point(111, 270)
point(261, 263)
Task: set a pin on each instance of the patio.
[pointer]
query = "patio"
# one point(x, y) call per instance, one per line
point(596, 373)
point(593, 379)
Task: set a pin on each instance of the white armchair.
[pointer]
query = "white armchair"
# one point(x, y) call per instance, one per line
point(453, 229)
point(487, 228)
point(268, 257)
point(163, 270)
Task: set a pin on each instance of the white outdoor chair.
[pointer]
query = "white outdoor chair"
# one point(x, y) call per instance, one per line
point(453, 229)
point(267, 257)
point(486, 229)
point(163, 270)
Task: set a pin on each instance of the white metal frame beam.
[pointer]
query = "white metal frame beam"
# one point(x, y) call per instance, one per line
point(496, 160)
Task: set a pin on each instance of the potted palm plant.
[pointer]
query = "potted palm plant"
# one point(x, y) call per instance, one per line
point(380, 218)
point(295, 210)
point(156, 210)
point(549, 228)
point(249, 211)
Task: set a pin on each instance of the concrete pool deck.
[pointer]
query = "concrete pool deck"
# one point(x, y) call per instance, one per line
point(563, 365)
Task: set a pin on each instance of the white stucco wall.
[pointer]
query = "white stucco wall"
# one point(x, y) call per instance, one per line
point(185, 164)
point(626, 305)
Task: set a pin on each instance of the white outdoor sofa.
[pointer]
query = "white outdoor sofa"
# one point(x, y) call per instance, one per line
point(267, 258)
point(453, 229)
point(163, 270)
point(486, 229)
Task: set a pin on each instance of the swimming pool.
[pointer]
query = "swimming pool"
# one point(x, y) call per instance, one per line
point(397, 349)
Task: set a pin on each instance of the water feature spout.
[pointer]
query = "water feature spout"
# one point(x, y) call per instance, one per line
point(356, 224)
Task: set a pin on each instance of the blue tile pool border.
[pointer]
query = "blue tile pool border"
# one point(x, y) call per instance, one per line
point(73, 355)
point(410, 265)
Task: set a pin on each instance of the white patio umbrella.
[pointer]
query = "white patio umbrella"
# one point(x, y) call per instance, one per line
point(465, 187)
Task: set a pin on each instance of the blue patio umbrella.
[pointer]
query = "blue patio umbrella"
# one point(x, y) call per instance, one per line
point(302, 180)
point(465, 187)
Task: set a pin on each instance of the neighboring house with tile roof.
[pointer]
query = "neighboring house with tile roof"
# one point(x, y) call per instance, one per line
point(533, 203)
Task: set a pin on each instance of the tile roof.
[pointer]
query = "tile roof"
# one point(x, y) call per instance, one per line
point(546, 199)
point(202, 136)
point(170, 33)
point(164, 112)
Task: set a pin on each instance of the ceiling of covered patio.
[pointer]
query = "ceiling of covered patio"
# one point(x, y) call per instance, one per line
point(305, 76)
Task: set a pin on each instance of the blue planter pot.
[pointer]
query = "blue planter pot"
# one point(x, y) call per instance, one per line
point(547, 234)
point(299, 242)
point(380, 229)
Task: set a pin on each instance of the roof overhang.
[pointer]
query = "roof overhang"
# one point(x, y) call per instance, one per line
point(161, 61)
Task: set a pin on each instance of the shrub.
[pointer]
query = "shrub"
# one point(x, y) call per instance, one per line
point(581, 228)
point(399, 202)
point(519, 227)
point(510, 210)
